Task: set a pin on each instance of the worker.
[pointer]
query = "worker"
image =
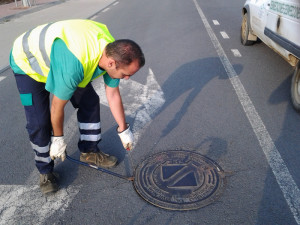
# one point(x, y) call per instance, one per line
point(61, 59)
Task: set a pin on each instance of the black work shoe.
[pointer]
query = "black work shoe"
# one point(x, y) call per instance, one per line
point(99, 159)
point(48, 183)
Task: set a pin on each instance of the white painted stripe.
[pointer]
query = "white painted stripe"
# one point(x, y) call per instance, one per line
point(155, 100)
point(236, 52)
point(2, 78)
point(89, 137)
point(284, 179)
point(89, 126)
point(40, 149)
point(224, 35)
point(93, 17)
point(116, 3)
point(216, 22)
point(24, 204)
point(105, 10)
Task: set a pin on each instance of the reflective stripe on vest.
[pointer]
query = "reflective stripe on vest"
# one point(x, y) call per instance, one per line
point(35, 66)
point(42, 45)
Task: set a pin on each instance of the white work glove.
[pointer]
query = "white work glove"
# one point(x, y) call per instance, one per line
point(58, 148)
point(126, 137)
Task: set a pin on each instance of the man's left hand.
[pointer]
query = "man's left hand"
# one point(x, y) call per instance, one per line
point(126, 137)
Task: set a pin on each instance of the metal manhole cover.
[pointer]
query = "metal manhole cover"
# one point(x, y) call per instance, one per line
point(179, 180)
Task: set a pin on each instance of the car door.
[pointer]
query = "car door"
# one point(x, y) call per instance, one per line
point(258, 14)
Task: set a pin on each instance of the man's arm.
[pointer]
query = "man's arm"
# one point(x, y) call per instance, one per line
point(116, 106)
point(57, 115)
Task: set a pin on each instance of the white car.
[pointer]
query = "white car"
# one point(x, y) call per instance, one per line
point(277, 24)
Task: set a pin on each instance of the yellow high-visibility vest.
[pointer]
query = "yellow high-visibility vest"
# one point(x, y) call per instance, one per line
point(86, 39)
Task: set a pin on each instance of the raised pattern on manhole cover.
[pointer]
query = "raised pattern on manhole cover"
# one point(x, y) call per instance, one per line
point(179, 180)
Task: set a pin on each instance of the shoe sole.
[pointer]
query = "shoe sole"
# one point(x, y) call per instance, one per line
point(93, 164)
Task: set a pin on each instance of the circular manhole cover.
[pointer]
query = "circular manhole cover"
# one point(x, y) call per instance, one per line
point(179, 180)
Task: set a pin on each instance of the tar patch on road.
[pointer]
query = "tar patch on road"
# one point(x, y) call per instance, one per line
point(179, 180)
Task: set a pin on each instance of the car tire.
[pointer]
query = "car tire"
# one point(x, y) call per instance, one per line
point(245, 31)
point(295, 88)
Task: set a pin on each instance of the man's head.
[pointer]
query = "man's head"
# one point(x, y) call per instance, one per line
point(124, 58)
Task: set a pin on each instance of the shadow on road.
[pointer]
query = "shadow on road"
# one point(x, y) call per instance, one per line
point(273, 206)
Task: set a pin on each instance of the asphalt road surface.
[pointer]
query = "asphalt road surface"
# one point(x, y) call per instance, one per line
point(200, 90)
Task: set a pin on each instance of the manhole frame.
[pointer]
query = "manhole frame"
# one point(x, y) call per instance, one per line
point(216, 194)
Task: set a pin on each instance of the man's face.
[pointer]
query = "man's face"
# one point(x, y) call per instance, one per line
point(123, 72)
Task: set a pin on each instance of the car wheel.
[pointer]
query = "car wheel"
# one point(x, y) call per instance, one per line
point(245, 31)
point(295, 89)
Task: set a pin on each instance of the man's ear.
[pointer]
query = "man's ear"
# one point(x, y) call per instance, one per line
point(111, 62)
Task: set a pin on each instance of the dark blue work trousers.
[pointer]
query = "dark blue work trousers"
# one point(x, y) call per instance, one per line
point(37, 111)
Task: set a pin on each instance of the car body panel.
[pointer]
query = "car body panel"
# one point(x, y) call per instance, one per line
point(277, 24)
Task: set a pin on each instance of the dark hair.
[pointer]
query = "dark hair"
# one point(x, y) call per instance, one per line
point(125, 51)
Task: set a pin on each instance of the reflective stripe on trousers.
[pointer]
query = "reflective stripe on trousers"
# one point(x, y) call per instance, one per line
point(41, 153)
point(92, 129)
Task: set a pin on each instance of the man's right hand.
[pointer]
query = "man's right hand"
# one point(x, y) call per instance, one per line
point(58, 148)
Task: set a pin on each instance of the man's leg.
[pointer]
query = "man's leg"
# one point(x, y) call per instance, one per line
point(88, 115)
point(35, 100)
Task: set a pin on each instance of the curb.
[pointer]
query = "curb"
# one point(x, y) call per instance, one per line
point(28, 11)
point(2, 70)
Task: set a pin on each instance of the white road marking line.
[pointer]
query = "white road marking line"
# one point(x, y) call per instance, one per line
point(224, 35)
point(105, 10)
point(216, 22)
point(93, 17)
point(155, 100)
point(236, 52)
point(18, 202)
point(2, 78)
point(284, 179)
